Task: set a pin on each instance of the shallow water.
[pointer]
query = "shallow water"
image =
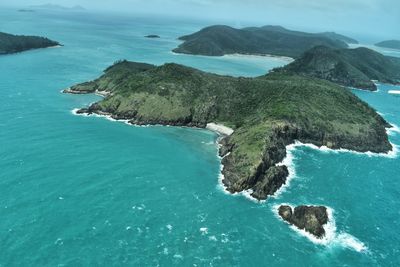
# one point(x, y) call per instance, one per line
point(79, 191)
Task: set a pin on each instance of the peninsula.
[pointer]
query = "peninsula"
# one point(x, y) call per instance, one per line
point(267, 113)
point(393, 44)
point(221, 40)
point(10, 43)
point(348, 67)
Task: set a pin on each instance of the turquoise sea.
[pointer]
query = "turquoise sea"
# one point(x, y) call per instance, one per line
point(85, 191)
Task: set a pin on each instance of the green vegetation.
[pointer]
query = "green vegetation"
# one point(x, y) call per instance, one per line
point(274, 40)
point(17, 43)
point(347, 67)
point(393, 44)
point(267, 113)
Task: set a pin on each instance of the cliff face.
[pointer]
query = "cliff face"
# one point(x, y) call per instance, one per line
point(17, 43)
point(220, 40)
point(349, 67)
point(267, 113)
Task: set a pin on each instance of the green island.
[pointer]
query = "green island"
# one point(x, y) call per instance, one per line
point(10, 43)
point(356, 68)
point(221, 40)
point(393, 44)
point(267, 113)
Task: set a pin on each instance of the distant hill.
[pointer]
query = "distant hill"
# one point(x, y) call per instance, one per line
point(220, 40)
point(58, 7)
point(349, 67)
point(10, 43)
point(394, 44)
point(333, 36)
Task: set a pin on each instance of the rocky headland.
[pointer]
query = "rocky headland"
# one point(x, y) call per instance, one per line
point(10, 43)
point(267, 113)
point(392, 44)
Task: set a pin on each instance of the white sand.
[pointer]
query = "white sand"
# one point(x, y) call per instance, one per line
point(219, 128)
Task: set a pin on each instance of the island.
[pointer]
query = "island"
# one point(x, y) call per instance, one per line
point(55, 7)
point(152, 36)
point(393, 44)
point(26, 10)
point(10, 43)
point(356, 68)
point(221, 40)
point(265, 113)
point(309, 218)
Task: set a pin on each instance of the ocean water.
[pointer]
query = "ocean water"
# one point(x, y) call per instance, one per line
point(85, 191)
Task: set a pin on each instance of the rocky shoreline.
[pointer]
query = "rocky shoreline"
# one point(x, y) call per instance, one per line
point(271, 174)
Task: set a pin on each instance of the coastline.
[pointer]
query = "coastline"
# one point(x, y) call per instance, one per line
point(259, 56)
point(240, 56)
point(223, 131)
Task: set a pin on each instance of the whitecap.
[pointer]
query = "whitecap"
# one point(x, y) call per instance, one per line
point(178, 256)
point(393, 130)
point(391, 154)
point(213, 238)
point(204, 230)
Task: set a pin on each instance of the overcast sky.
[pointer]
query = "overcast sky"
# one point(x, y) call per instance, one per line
point(380, 18)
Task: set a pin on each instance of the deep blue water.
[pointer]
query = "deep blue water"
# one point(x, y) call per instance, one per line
point(84, 191)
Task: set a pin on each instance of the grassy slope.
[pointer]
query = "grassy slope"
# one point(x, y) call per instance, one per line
point(267, 113)
point(348, 67)
point(17, 43)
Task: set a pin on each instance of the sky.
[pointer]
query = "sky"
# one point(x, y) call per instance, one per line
point(378, 18)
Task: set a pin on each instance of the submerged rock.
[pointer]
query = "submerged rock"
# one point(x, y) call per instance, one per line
point(309, 218)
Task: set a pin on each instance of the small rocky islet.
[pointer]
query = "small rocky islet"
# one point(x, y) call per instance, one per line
point(309, 218)
point(153, 36)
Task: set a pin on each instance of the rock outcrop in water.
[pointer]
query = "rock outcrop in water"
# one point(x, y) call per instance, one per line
point(152, 36)
point(267, 113)
point(309, 218)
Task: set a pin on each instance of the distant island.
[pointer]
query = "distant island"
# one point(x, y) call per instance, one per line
point(348, 67)
point(26, 10)
point(58, 7)
point(393, 44)
point(221, 40)
point(152, 36)
point(265, 114)
point(10, 43)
